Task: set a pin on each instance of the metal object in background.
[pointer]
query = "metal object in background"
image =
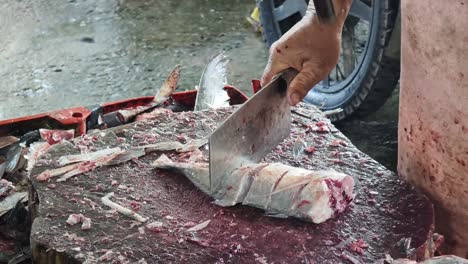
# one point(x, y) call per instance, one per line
point(325, 10)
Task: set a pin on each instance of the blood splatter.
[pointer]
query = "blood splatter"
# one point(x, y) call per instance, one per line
point(310, 150)
point(461, 162)
point(435, 136)
point(358, 246)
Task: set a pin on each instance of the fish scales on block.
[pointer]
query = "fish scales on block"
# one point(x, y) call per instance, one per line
point(385, 211)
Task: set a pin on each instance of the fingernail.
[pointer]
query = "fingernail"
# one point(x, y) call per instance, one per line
point(295, 98)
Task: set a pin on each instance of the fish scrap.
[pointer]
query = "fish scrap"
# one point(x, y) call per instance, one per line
point(56, 136)
point(279, 189)
point(65, 160)
point(89, 161)
point(155, 226)
point(81, 163)
point(199, 227)
point(125, 211)
point(164, 93)
point(74, 219)
point(69, 170)
point(36, 150)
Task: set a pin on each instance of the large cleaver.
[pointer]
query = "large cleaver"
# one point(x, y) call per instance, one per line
point(252, 131)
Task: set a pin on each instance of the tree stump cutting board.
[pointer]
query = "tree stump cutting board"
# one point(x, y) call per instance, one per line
point(385, 214)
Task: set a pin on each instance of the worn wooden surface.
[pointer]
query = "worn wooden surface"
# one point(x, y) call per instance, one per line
point(384, 212)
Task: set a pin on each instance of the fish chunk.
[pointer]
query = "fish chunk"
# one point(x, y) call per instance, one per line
point(281, 190)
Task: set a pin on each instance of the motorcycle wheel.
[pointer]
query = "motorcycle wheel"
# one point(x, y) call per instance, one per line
point(365, 76)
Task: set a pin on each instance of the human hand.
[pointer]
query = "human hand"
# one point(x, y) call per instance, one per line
point(310, 47)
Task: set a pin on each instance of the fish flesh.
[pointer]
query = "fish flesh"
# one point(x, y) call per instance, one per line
point(35, 151)
point(156, 113)
point(56, 136)
point(211, 93)
point(279, 189)
point(5, 188)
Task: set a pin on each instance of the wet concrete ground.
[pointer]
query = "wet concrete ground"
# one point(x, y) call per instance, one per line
point(81, 52)
point(58, 54)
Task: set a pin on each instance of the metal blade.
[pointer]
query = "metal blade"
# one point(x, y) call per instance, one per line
point(251, 132)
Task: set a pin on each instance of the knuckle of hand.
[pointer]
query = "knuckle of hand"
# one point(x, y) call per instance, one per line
point(308, 77)
point(274, 47)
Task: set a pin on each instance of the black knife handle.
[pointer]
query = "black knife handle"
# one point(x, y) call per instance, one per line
point(325, 10)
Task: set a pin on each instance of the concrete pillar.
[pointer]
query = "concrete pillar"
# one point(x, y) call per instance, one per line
point(433, 124)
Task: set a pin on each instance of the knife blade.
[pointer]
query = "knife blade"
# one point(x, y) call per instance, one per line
point(252, 131)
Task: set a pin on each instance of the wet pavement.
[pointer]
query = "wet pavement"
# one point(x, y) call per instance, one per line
point(83, 52)
point(79, 52)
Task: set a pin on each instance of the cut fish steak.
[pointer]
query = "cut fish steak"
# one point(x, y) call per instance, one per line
point(279, 189)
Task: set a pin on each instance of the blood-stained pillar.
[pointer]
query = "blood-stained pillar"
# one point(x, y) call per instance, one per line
point(433, 124)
